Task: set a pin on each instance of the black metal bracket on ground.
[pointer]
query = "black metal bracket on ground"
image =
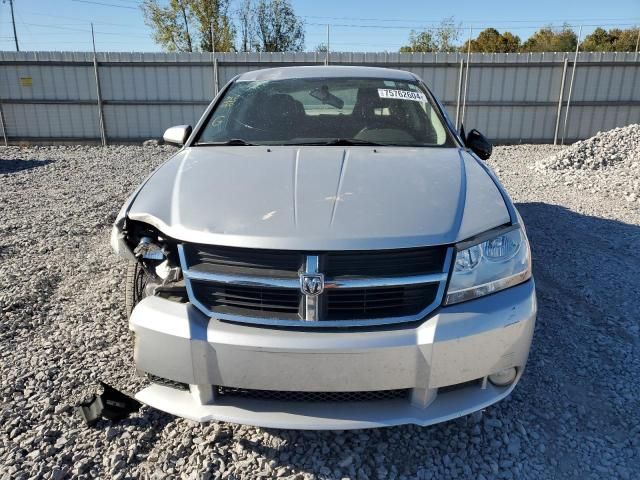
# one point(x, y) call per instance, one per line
point(110, 404)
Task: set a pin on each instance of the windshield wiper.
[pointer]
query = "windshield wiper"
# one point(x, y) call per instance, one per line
point(232, 142)
point(352, 141)
point(342, 142)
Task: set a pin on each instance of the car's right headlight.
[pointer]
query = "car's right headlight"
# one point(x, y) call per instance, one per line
point(491, 265)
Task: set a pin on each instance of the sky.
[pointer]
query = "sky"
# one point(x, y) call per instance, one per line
point(363, 25)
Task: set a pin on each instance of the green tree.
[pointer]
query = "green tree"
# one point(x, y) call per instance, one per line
point(278, 29)
point(510, 42)
point(491, 40)
point(420, 42)
point(614, 40)
point(447, 34)
point(549, 39)
point(247, 25)
point(435, 39)
point(625, 40)
point(598, 41)
point(208, 12)
point(185, 25)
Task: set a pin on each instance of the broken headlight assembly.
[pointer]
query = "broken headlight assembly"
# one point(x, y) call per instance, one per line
point(158, 257)
point(492, 264)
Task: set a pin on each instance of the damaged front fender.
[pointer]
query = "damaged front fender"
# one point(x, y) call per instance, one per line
point(118, 242)
point(118, 237)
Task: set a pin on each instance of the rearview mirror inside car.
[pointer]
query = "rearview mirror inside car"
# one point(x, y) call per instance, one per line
point(478, 144)
point(326, 97)
point(177, 135)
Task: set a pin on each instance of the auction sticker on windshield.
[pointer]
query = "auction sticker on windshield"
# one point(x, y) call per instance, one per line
point(402, 94)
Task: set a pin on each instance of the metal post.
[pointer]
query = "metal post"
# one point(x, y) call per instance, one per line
point(216, 85)
point(13, 21)
point(326, 59)
point(466, 78)
point(214, 61)
point(103, 133)
point(637, 44)
point(573, 74)
point(459, 93)
point(4, 132)
point(564, 74)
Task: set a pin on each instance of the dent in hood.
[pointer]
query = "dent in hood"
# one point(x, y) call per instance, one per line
point(321, 198)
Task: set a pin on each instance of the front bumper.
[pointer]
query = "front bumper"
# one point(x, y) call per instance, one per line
point(458, 344)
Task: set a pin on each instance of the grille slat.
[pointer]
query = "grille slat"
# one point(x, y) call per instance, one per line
point(275, 302)
point(250, 295)
point(373, 303)
point(386, 262)
point(243, 261)
point(365, 303)
point(362, 306)
point(268, 301)
point(222, 291)
point(367, 295)
point(263, 306)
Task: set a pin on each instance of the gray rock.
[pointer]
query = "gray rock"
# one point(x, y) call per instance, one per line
point(62, 325)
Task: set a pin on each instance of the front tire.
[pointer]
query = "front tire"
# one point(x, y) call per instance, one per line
point(135, 285)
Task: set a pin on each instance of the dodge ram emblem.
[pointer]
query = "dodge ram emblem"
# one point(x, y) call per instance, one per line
point(312, 284)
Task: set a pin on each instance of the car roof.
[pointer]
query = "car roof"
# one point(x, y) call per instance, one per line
point(321, 71)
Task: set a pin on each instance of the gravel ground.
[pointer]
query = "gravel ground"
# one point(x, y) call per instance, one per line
point(575, 414)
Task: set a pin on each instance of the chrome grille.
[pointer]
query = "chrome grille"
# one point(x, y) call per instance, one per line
point(315, 289)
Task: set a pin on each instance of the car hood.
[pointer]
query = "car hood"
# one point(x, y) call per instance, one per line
point(321, 198)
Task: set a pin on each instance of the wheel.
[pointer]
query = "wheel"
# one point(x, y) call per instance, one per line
point(135, 287)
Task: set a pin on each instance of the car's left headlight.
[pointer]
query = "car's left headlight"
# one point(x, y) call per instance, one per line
point(491, 265)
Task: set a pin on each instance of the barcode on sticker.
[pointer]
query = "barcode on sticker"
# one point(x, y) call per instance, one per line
point(402, 94)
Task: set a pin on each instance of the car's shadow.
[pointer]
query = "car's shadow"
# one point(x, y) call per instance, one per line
point(15, 166)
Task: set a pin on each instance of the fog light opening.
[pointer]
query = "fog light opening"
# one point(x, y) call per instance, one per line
point(504, 377)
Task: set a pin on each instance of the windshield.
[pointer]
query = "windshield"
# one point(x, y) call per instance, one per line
point(319, 111)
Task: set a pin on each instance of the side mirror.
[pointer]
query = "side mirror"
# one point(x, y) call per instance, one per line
point(478, 144)
point(177, 135)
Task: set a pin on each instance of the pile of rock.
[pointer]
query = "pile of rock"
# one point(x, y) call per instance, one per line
point(605, 149)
